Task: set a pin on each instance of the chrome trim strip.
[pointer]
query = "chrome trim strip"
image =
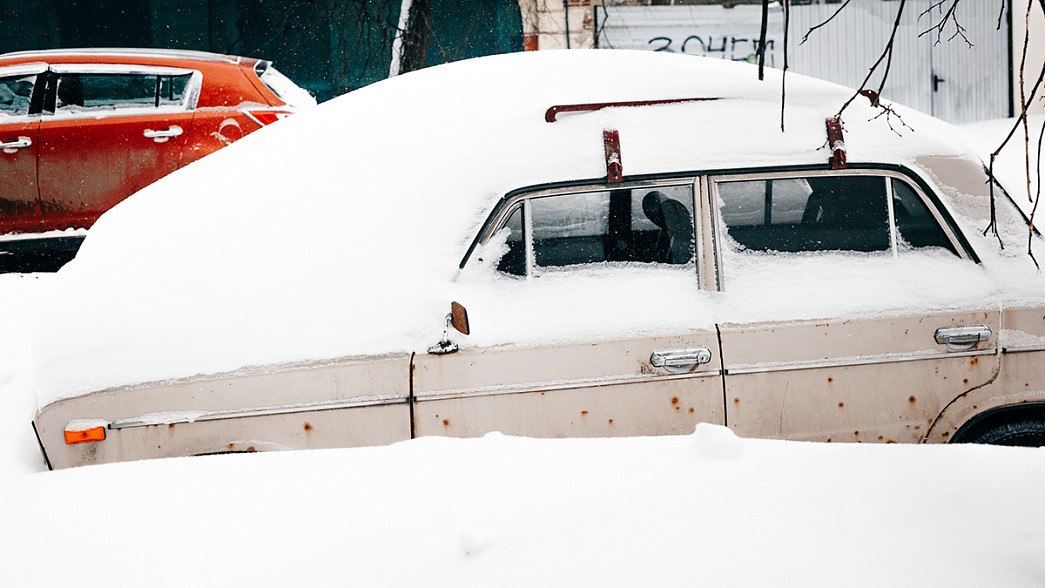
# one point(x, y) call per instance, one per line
point(216, 415)
point(1022, 348)
point(119, 68)
point(755, 368)
point(129, 52)
point(23, 69)
point(501, 390)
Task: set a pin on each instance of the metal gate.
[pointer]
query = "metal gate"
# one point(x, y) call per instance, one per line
point(948, 77)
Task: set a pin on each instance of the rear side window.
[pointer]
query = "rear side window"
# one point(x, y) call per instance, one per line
point(100, 92)
point(283, 87)
point(826, 213)
point(15, 95)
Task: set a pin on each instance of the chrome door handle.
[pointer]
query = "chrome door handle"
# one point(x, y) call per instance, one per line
point(962, 337)
point(680, 358)
point(161, 136)
point(19, 143)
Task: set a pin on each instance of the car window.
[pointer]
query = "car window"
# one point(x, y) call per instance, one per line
point(100, 92)
point(806, 214)
point(15, 94)
point(644, 225)
point(825, 213)
point(915, 225)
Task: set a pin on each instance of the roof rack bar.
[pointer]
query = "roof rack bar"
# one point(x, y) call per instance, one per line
point(551, 113)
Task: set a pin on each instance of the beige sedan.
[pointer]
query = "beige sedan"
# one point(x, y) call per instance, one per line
point(792, 299)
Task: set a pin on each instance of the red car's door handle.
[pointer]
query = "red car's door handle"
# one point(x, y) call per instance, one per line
point(19, 143)
point(161, 136)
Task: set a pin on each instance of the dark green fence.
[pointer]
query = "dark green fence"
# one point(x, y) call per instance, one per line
point(327, 46)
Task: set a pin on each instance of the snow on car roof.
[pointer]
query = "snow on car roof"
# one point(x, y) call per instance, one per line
point(338, 231)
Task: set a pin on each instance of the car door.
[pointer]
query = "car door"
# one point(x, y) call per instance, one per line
point(109, 131)
point(19, 123)
point(857, 271)
point(608, 281)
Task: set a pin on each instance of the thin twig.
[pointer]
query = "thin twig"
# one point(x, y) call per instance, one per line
point(887, 57)
point(829, 19)
point(783, 75)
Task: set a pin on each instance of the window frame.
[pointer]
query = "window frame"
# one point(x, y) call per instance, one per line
point(499, 217)
point(187, 104)
point(35, 69)
point(931, 202)
point(707, 224)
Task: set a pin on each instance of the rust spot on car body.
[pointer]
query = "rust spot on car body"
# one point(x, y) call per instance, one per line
point(974, 361)
point(736, 401)
point(691, 410)
point(829, 380)
point(170, 425)
point(841, 405)
point(308, 427)
point(446, 422)
point(912, 400)
point(610, 421)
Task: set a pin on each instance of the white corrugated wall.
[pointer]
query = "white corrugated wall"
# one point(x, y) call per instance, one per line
point(972, 81)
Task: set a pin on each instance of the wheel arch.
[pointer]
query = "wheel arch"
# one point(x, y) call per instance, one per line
point(998, 416)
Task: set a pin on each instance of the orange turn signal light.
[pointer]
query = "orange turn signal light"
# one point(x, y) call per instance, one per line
point(92, 434)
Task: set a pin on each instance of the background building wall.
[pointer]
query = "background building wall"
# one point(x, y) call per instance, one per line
point(1035, 53)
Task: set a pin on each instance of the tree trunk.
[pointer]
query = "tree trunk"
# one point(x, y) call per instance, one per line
point(416, 37)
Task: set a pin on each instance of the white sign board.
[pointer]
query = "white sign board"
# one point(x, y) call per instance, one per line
point(712, 31)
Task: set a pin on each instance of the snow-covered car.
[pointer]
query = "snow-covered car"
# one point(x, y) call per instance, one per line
point(82, 129)
point(632, 245)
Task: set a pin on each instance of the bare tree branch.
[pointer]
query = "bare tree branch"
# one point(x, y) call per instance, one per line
point(783, 75)
point(887, 58)
point(948, 16)
point(761, 52)
point(829, 19)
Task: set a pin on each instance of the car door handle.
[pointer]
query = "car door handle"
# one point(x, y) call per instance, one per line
point(962, 337)
point(680, 358)
point(19, 143)
point(161, 136)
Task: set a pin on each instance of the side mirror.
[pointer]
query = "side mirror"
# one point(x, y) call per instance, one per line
point(458, 319)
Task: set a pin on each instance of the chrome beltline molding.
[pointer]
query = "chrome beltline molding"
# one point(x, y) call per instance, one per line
point(1022, 348)
point(144, 421)
point(754, 368)
point(500, 390)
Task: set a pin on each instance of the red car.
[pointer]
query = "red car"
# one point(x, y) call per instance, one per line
point(80, 130)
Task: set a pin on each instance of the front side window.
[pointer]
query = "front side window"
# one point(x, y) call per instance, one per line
point(15, 95)
point(641, 225)
point(826, 213)
point(100, 92)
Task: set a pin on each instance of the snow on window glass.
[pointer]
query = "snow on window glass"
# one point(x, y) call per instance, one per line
point(15, 93)
point(651, 225)
point(106, 92)
point(915, 225)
